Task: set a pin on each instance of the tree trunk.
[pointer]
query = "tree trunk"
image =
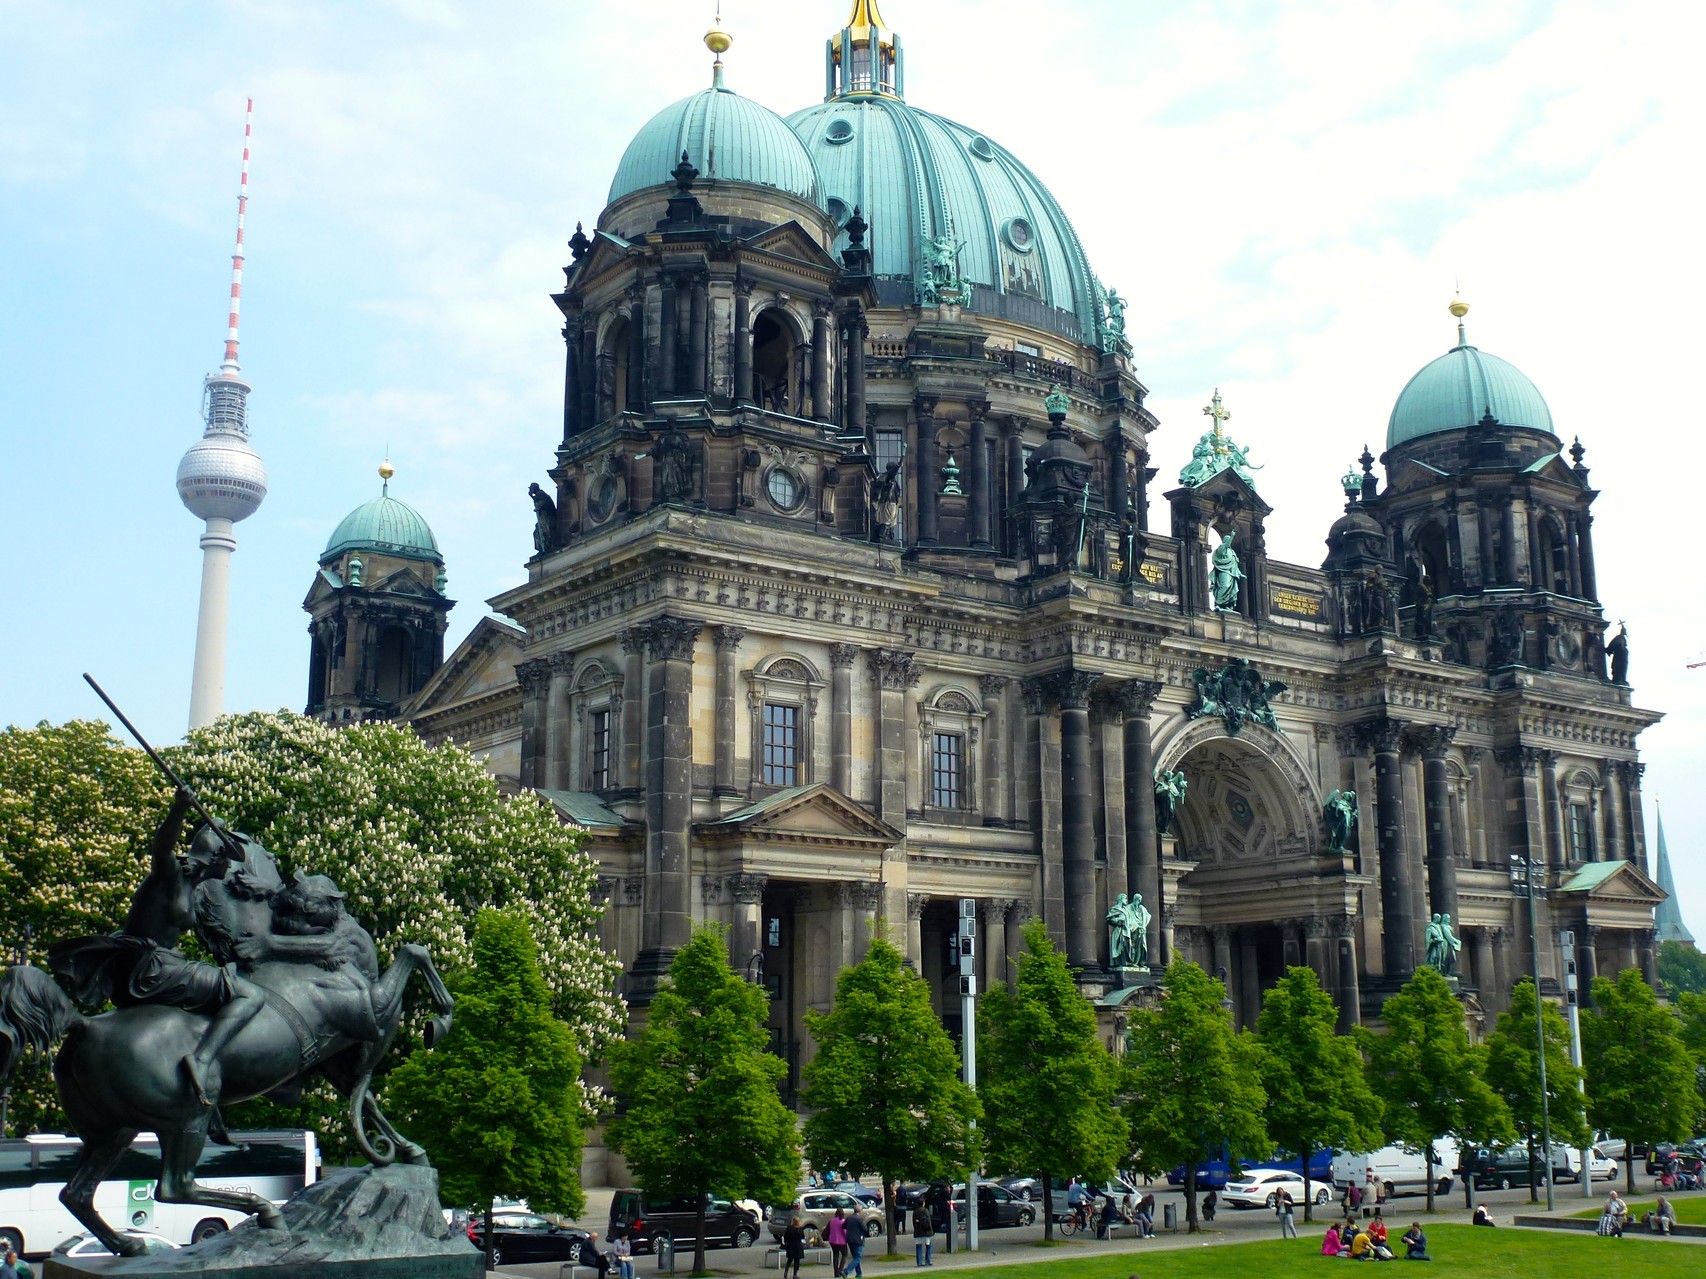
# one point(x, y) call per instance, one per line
point(699, 1243)
point(1048, 1209)
point(1190, 1198)
point(491, 1207)
point(1428, 1164)
point(1308, 1191)
point(1533, 1163)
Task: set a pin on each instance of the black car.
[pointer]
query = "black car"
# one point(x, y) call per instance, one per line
point(526, 1236)
point(1688, 1152)
point(1502, 1169)
point(645, 1220)
point(996, 1206)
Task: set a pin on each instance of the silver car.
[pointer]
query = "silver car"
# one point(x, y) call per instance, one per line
point(814, 1208)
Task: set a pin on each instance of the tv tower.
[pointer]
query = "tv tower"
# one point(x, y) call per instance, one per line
point(222, 480)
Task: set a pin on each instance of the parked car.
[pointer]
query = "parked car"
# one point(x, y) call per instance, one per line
point(89, 1246)
point(1260, 1187)
point(1601, 1166)
point(1213, 1174)
point(814, 1208)
point(996, 1206)
point(1503, 1169)
point(864, 1194)
point(526, 1236)
point(646, 1220)
point(1027, 1188)
point(1690, 1150)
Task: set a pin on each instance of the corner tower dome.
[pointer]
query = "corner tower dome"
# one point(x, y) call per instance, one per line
point(916, 177)
point(384, 525)
point(1460, 388)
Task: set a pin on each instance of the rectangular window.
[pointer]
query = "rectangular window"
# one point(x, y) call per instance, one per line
point(1027, 348)
point(599, 778)
point(947, 770)
point(781, 744)
point(1581, 835)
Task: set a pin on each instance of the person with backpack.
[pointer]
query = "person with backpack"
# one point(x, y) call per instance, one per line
point(923, 1232)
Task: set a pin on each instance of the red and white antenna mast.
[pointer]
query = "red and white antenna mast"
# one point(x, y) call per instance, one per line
point(229, 365)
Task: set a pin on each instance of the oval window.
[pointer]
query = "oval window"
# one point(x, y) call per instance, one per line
point(783, 488)
point(839, 131)
point(1019, 235)
point(982, 148)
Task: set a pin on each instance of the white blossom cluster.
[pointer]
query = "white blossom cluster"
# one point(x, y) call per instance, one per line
point(419, 839)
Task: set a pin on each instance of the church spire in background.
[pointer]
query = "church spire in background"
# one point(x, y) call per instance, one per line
point(1669, 915)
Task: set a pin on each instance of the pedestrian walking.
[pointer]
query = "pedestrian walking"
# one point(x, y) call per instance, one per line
point(835, 1232)
point(922, 1231)
point(855, 1268)
point(1282, 1208)
point(793, 1246)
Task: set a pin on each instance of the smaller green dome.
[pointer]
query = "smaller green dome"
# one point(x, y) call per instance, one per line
point(728, 138)
point(1458, 389)
point(387, 526)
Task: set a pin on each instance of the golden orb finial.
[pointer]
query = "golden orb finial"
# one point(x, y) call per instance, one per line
point(717, 40)
point(1458, 307)
point(386, 470)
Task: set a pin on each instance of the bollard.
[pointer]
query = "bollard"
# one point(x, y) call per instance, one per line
point(1170, 1216)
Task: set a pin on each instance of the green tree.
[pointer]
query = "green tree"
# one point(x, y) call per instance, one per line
point(1640, 1073)
point(1194, 1082)
point(702, 1113)
point(1691, 1013)
point(1682, 970)
point(884, 1087)
point(1318, 1093)
point(1513, 1072)
point(498, 1103)
point(1431, 1079)
point(1049, 1086)
point(77, 810)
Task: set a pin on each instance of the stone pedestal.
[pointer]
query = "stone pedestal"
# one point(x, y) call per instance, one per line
point(357, 1223)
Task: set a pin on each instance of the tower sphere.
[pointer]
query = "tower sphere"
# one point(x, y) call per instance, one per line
point(222, 478)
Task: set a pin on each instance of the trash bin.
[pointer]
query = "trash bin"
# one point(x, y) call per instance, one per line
point(663, 1245)
point(1169, 1216)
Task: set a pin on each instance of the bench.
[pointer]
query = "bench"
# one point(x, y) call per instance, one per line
point(816, 1254)
point(577, 1269)
point(1130, 1227)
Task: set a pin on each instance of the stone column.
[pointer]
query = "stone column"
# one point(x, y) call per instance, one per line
point(857, 332)
point(1249, 980)
point(632, 741)
point(1486, 976)
point(669, 790)
point(1042, 772)
point(589, 371)
point(1476, 793)
point(669, 326)
point(1078, 819)
point(1015, 480)
point(977, 468)
point(1018, 915)
point(697, 323)
point(996, 782)
point(926, 476)
point(992, 936)
point(636, 350)
point(915, 904)
point(1291, 942)
point(1222, 967)
point(1507, 541)
point(821, 408)
point(1584, 535)
point(1142, 849)
point(746, 938)
point(1588, 964)
point(1632, 773)
point(743, 342)
point(867, 901)
point(1350, 990)
point(1316, 952)
point(534, 678)
point(1647, 945)
point(728, 640)
point(1169, 913)
point(894, 671)
point(1434, 741)
point(572, 378)
point(1142, 502)
point(1398, 928)
point(1118, 498)
point(1503, 940)
point(1550, 786)
point(841, 716)
point(558, 722)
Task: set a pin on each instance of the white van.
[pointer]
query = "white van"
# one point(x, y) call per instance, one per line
point(1602, 1166)
point(1399, 1171)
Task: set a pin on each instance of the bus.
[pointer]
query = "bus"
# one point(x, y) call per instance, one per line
point(272, 1162)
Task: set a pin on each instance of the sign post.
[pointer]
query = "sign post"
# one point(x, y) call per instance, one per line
point(1567, 941)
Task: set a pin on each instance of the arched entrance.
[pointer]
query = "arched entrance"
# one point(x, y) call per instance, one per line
point(1251, 890)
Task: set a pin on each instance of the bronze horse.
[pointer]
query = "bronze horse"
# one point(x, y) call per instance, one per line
point(119, 1073)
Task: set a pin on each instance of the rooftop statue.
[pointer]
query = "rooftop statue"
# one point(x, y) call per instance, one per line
point(1215, 451)
point(1237, 693)
point(296, 992)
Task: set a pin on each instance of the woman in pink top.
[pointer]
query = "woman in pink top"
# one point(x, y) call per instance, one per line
point(1330, 1245)
point(835, 1234)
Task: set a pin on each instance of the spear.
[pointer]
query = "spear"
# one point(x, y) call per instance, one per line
point(231, 845)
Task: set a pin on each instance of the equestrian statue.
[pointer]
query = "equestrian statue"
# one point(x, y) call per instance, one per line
point(295, 992)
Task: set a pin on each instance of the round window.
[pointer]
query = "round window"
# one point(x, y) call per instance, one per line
point(603, 497)
point(981, 147)
point(838, 211)
point(839, 131)
point(1019, 235)
point(783, 488)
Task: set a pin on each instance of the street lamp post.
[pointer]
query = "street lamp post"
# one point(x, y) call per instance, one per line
point(1572, 1002)
point(1523, 885)
point(968, 1044)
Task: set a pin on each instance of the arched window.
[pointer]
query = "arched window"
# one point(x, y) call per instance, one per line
point(598, 716)
point(393, 678)
point(782, 697)
point(615, 350)
point(1554, 556)
point(1433, 556)
point(776, 351)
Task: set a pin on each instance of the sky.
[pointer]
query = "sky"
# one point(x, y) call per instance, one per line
point(1288, 193)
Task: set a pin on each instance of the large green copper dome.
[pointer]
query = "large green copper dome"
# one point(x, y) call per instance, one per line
point(1458, 389)
point(915, 176)
point(728, 138)
point(387, 526)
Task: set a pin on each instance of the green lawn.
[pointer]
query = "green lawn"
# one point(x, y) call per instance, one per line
point(1457, 1251)
point(1690, 1209)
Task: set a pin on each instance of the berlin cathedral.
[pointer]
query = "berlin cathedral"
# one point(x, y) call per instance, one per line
point(856, 603)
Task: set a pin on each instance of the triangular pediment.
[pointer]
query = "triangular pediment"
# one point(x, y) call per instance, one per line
point(1407, 475)
point(790, 240)
point(608, 253)
point(1553, 467)
point(1613, 881)
point(1229, 483)
point(483, 663)
point(403, 582)
point(326, 586)
point(817, 813)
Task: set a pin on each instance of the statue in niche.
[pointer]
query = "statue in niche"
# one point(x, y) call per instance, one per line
point(1340, 812)
point(1376, 602)
point(544, 520)
point(1617, 650)
point(1422, 596)
point(1225, 574)
point(1505, 641)
point(672, 458)
point(885, 504)
point(1128, 932)
point(1169, 795)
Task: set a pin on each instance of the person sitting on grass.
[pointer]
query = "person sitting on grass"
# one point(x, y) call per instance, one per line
point(1612, 1215)
point(1483, 1216)
point(1362, 1247)
point(1415, 1243)
point(1330, 1246)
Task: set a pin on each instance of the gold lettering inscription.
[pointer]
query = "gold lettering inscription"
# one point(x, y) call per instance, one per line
point(1297, 602)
